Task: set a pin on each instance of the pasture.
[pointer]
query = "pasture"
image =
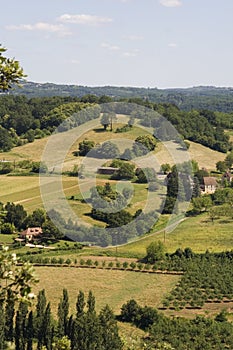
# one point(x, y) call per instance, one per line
point(109, 286)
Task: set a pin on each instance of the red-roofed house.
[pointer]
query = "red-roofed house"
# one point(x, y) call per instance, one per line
point(31, 233)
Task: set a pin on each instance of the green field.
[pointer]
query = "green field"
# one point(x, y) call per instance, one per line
point(198, 233)
point(109, 286)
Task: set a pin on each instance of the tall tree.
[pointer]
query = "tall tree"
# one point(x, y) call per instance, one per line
point(48, 328)
point(20, 326)
point(2, 326)
point(30, 331)
point(63, 312)
point(110, 339)
point(92, 328)
point(9, 316)
point(39, 319)
point(78, 338)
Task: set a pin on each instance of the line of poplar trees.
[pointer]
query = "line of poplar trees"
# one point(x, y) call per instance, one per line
point(37, 329)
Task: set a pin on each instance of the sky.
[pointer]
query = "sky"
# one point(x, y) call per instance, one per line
point(141, 43)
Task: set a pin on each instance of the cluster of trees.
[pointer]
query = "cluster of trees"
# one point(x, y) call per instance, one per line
point(179, 186)
point(23, 167)
point(86, 330)
point(14, 218)
point(141, 146)
point(179, 333)
point(226, 164)
point(24, 120)
point(108, 205)
point(115, 235)
point(194, 125)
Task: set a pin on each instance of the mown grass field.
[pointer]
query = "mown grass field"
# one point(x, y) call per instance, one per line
point(109, 286)
point(198, 233)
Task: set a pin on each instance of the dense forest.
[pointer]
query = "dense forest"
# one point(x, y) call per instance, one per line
point(201, 97)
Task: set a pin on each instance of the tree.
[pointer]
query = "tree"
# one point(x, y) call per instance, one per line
point(30, 331)
point(10, 71)
point(36, 219)
point(50, 230)
point(155, 252)
point(107, 150)
point(229, 160)
point(146, 175)
point(15, 277)
point(201, 203)
point(47, 328)
point(221, 166)
point(125, 171)
point(129, 311)
point(85, 147)
point(7, 228)
point(39, 319)
point(6, 142)
point(105, 120)
point(9, 316)
point(110, 339)
point(62, 344)
point(20, 326)
point(78, 336)
point(165, 168)
point(15, 214)
point(148, 141)
point(2, 326)
point(63, 311)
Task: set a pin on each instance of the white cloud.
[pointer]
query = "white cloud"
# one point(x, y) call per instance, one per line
point(172, 45)
point(171, 3)
point(110, 47)
point(134, 37)
point(84, 19)
point(59, 29)
point(132, 53)
point(74, 61)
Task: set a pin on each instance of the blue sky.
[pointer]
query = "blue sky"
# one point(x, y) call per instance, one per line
point(148, 43)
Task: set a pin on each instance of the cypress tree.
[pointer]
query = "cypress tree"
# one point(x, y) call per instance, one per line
point(2, 326)
point(78, 332)
point(20, 326)
point(30, 331)
point(9, 316)
point(63, 311)
point(48, 328)
point(92, 328)
point(40, 312)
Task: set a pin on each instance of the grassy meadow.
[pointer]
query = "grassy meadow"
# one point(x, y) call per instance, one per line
point(109, 286)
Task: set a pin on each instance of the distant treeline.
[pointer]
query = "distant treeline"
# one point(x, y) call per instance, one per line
point(201, 97)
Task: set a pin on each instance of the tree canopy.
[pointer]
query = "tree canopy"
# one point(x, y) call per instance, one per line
point(10, 71)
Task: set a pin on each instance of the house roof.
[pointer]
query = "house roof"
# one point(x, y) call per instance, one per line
point(209, 181)
point(34, 231)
